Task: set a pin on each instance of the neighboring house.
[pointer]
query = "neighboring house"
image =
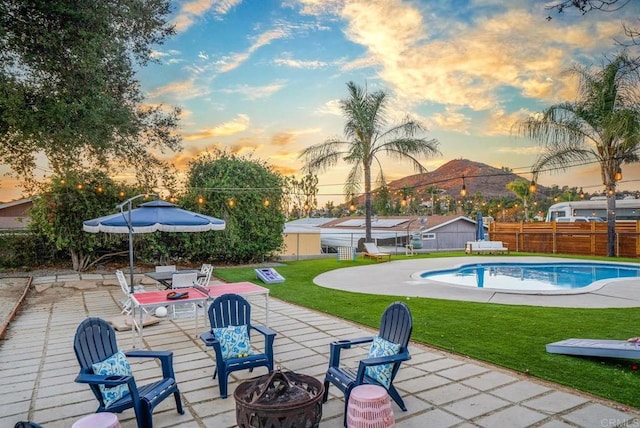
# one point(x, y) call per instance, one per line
point(302, 238)
point(14, 215)
point(435, 233)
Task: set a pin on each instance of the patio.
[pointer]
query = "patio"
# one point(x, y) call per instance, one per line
point(39, 367)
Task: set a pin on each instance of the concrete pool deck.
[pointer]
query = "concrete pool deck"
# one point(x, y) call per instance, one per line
point(397, 278)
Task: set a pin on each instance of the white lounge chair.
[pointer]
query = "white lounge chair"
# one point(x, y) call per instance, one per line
point(371, 250)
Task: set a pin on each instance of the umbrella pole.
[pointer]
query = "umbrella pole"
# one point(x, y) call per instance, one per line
point(130, 249)
point(130, 227)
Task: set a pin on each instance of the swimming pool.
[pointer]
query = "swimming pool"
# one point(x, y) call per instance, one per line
point(532, 276)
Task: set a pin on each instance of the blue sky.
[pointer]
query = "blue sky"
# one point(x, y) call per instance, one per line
point(265, 76)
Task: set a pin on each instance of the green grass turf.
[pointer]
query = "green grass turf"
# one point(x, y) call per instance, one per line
point(506, 335)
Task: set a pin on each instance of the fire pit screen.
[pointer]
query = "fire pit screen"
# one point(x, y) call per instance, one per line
point(279, 399)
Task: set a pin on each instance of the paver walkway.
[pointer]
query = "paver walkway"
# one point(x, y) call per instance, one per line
point(440, 389)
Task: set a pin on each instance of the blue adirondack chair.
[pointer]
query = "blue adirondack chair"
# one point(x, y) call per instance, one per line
point(229, 314)
point(395, 328)
point(95, 342)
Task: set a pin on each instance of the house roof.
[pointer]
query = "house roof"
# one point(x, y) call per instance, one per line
point(395, 224)
point(6, 205)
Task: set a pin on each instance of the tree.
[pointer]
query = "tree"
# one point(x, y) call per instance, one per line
point(63, 204)
point(247, 194)
point(365, 140)
point(522, 190)
point(301, 193)
point(68, 89)
point(602, 126)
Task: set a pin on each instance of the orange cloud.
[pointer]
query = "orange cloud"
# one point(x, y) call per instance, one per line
point(235, 126)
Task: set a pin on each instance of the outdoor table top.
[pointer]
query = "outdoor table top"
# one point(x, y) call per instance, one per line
point(152, 298)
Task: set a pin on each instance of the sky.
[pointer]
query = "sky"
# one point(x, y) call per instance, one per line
point(264, 78)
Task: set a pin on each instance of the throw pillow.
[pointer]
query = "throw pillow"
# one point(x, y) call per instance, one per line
point(114, 365)
point(234, 341)
point(381, 348)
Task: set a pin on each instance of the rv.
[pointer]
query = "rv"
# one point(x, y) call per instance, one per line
point(626, 209)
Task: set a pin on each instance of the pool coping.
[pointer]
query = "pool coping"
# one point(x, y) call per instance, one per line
point(395, 279)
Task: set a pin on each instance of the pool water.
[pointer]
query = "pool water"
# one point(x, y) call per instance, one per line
point(532, 276)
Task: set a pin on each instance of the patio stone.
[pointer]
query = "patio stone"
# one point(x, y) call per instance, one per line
point(462, 371)
point(597, 415)
point(512, 417)
point(447, 393)
point(555, 401)
point(519, 391)
point(477, 405)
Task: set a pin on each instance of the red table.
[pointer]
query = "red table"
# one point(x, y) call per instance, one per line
point(200, 295)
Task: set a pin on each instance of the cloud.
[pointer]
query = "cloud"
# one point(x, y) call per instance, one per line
point(294, 63)
point(262, 40)
point(239, 124)
point(182, 90)
point(528, 150)
point(359, 63)
point(469, 62)
point(331, 107)
point(255, 92)
point(287, 138)
point(452, 120)
point(499, 122)
point(192, 11)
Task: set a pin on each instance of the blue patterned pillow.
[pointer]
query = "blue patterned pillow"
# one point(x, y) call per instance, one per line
point(234, 341)
point(381, 348)
point(114, 365)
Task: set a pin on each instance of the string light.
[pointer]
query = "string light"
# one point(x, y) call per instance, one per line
point(266, 202)
point(581, 193)
point(533, 187)
point(463, 191)
point(618, 175)
point(200, 200)
point(231, 203)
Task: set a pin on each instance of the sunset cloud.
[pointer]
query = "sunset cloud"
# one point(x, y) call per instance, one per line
point(232, 127)
point(179, 90)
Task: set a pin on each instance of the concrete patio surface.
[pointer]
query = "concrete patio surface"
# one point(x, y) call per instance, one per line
point(440, 389)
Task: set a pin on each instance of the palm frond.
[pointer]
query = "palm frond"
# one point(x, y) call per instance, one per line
point(562, 158)
point(320, 157)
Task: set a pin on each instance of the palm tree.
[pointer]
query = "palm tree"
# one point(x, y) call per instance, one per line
point(365, 139)
point(602, 126)
point(522, 189)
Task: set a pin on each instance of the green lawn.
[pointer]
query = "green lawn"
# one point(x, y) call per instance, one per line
point(506, 335)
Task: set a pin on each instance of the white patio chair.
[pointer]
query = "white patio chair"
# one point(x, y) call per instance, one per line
point(207, 270)
point(184, 280)
point(126, 304)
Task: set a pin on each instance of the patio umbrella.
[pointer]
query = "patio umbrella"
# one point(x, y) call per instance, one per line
point(150, 217)
point(479, 227)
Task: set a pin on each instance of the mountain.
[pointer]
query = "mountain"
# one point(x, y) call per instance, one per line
point(478, 177)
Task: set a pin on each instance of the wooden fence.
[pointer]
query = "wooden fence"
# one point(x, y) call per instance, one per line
point(568, 238)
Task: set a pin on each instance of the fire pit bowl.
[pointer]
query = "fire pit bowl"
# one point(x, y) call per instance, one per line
point(279, 399)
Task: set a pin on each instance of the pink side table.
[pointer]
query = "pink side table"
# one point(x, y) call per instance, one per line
point(98, 420)
point(369, 407)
